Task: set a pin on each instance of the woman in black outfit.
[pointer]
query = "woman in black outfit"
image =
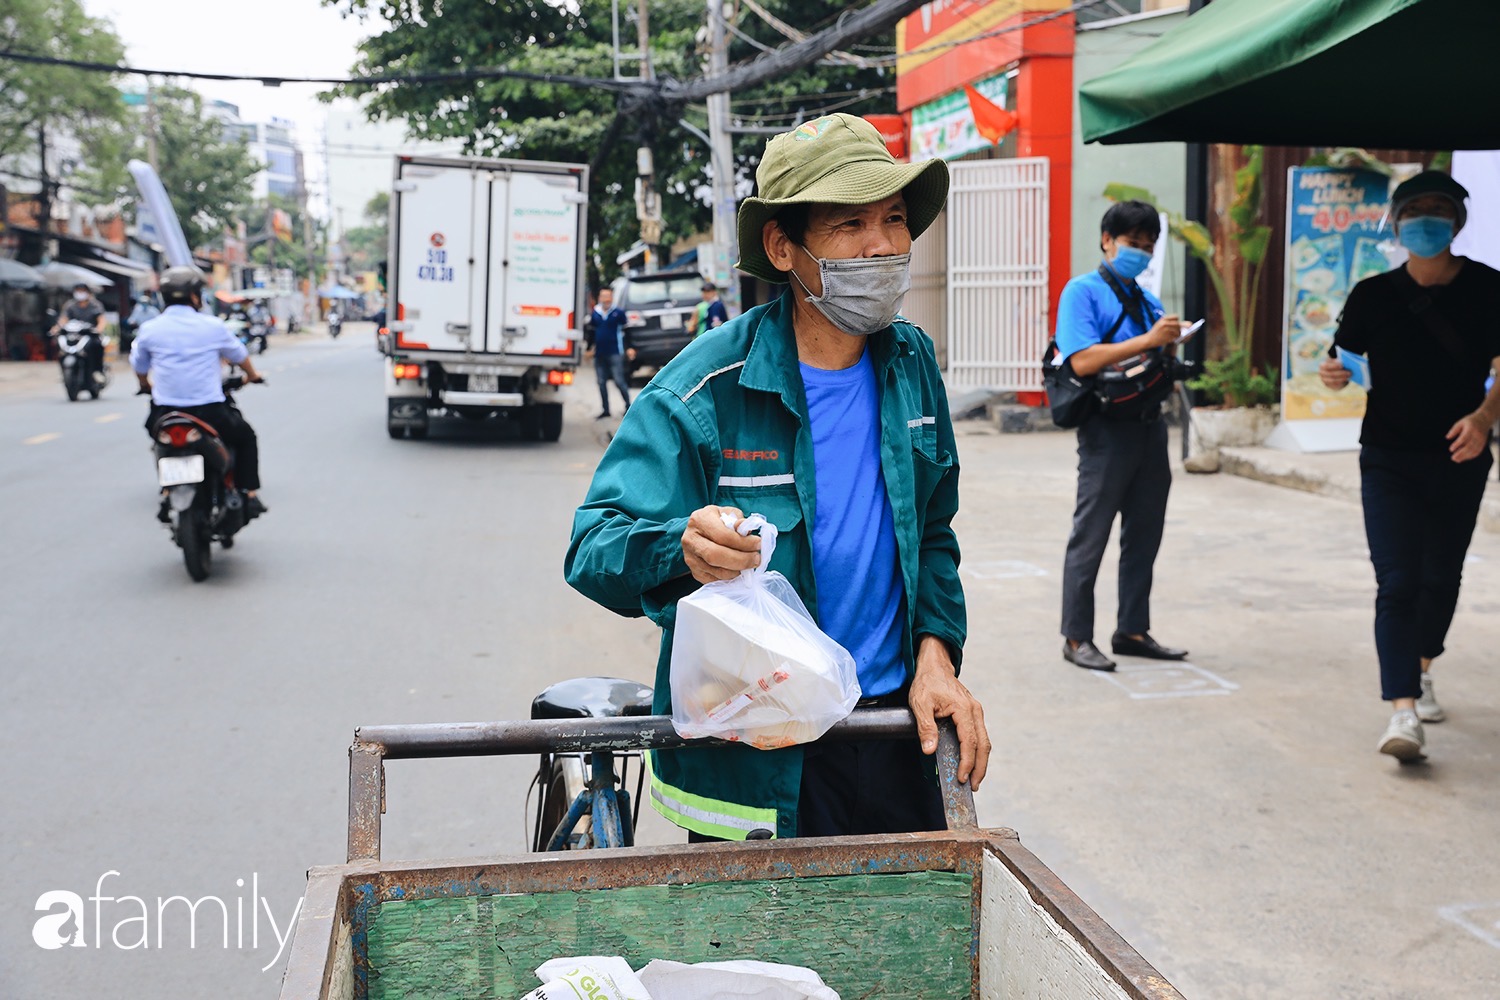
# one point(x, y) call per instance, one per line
point(1431, 332)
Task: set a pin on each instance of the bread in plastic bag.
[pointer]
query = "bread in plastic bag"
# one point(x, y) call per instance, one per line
point(749, 664)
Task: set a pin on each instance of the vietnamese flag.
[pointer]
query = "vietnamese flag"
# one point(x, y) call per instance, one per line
point(990, 120)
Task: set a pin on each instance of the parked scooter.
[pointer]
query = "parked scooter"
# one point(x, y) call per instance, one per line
point(335, 323)
point(73, 342)
point(195, 468)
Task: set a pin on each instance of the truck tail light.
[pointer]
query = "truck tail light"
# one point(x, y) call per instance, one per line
point(406, 371)
point(559, 378)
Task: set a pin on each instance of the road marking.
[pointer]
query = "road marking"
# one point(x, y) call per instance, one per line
point(1175, 680)
point(42, 438)
point(1473, 918)
point(1002, 569)
point(108, 418)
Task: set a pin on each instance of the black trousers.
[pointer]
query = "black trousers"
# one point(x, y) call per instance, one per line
point(233, 428)
point(611, 369)
point(93, 353)
point(1122, 470)
point(1420, 511)
point(866, 786)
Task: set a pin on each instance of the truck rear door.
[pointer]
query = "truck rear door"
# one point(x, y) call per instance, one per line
point(535, 264)
point(433, 278)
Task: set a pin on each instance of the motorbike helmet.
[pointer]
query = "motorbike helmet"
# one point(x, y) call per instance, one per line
point(180, 284)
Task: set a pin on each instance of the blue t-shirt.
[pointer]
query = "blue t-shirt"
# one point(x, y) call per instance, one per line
point(1088, 308)
point(854, 532)
point(609, 332)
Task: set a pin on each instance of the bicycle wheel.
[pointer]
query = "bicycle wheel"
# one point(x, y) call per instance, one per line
point(565, 779)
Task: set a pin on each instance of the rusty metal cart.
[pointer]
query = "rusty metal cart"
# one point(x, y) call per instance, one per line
point(960, 913)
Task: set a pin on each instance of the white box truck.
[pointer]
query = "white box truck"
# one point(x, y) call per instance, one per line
point(485, 300)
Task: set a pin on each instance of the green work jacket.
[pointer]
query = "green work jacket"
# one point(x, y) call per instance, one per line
point(726, 423)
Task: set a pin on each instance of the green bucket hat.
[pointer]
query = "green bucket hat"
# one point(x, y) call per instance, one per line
point(835, 160)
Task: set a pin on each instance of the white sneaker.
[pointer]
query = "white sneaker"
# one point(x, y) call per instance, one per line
point(1428, 710)
point(1403, 738)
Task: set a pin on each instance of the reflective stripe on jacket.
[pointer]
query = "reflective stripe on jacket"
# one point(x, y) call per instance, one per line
point(726, 423)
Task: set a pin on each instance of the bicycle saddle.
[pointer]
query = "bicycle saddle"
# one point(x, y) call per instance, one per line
point(592, 698)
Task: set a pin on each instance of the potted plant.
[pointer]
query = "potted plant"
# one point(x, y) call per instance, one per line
point(1244, 394)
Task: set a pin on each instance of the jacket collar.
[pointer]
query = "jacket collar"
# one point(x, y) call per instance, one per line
point(771, 364)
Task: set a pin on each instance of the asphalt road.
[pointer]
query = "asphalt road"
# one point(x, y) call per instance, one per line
point(1229, 817)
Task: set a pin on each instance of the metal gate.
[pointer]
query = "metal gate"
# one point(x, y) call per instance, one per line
point(927, 303)
point(996, 322)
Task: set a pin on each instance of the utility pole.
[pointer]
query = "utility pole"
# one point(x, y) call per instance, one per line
point(721, 159)
point(44, 199)
point(648, 205)
point(151, 126)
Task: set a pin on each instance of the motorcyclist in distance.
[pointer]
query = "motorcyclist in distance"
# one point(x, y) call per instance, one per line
point(86, 309)
point(177, 358)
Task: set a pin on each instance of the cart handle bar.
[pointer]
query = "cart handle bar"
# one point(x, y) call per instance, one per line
point(373, 745)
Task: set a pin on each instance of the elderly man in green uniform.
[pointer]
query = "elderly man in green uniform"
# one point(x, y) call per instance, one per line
point(824, 411)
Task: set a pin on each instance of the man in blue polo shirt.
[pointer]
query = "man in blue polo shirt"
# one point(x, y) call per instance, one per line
point(609, 350)
point(1103, 318)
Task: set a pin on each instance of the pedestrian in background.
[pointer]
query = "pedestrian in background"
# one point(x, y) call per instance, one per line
point(610, 350)
point(1428, 331)
point(1104, 318)
point(711, 311)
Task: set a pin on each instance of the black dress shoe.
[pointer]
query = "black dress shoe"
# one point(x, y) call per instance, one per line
point(1124, 645)
point(1086, 655)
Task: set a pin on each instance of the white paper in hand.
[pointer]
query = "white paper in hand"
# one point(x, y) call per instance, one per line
point(738, 980)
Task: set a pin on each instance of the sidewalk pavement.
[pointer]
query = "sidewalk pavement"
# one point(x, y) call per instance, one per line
point(1230, 815)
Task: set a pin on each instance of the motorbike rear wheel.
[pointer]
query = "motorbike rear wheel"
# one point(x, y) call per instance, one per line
point(197, 543)
point(73, 383)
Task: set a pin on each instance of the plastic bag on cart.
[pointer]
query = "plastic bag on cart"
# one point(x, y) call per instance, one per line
point(740, 980)
point(749, 664)
point(597, 976)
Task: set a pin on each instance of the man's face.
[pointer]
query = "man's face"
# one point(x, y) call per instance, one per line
point(1429, 204)
point(841, 232)
point(709, 294)
point(1138, 238)
point(606, 299)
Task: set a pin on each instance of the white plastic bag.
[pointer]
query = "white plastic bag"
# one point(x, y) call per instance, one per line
point(740, 980)
point(595, 976)
point(750, 664)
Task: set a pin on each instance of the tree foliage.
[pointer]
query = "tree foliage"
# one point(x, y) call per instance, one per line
point(293, 252)
point(365, 246)
point(574, 124)
point(57, 100)
point(207, 175)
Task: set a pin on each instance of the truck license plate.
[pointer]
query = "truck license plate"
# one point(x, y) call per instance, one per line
point(671, 321)
point(179, 470)
point(484, 383)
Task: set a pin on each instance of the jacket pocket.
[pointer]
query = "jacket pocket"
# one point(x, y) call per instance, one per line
point(780, 506)
point(928, 469)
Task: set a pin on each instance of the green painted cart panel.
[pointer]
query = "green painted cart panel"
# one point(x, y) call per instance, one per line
point(907, 936)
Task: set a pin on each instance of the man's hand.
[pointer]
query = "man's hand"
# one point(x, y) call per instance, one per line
point(937, 694)
point(630, 354)
point(1165, 332)
point(1334, 374)
point(251, 375)
point(145, 385)
point(588, 352)
point(1467, 438)
point(714, 552)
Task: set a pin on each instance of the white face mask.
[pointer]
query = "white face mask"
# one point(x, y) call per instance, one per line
point(861, 295)
point(81, 296)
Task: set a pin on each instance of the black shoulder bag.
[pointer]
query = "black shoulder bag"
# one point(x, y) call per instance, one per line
point(1419, 303)
point(1133, 390)
point(1073, 398)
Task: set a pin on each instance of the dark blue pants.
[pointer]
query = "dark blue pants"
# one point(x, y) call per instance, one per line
point(611, 369)
point(1420, 510)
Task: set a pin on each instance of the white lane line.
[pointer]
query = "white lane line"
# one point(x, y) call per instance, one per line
point(108, 418)
point(42, 438)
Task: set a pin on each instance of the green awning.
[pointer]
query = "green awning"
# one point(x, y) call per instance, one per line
point(1392, 74)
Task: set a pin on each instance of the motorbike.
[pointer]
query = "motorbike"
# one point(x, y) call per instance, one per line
point(335, 324)
point(195, 469)
point(252, 335)
point(72, 354)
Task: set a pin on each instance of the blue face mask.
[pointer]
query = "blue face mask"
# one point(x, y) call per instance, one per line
point(1130, 262)
point(1425, 235)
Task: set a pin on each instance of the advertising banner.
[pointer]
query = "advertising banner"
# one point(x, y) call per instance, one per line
point(944, 128)
point(1333, 242)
